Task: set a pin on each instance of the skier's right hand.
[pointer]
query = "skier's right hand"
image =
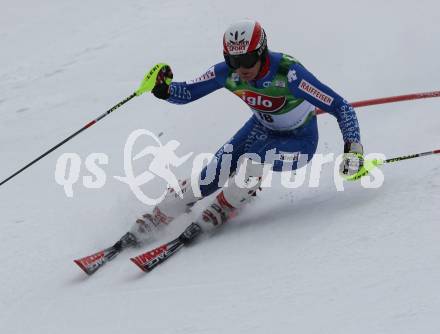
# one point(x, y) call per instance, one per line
point(162, 87)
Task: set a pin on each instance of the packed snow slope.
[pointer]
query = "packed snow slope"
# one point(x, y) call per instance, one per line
point(306, 260)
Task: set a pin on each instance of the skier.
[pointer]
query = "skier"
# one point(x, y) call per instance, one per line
point(283, 96)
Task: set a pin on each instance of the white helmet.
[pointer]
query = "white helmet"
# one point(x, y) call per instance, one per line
point(244, 43)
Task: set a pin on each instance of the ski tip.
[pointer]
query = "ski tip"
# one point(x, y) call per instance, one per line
point(84, 268)
point(136, 261)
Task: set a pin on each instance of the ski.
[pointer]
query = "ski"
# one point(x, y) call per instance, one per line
point(90, 264)
point(149, 260)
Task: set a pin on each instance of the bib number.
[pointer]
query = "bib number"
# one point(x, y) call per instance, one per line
point(266, 117)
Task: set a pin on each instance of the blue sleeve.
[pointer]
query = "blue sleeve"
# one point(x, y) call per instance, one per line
point(188, 91)
point(304, 84)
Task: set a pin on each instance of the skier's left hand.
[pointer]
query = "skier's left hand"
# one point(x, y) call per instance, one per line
point(162, 87)
point(351, 167)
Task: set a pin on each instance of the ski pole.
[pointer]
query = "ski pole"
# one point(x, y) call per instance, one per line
point(146, 85)
point(391, 99)
point(371, 164)
point(378, 162)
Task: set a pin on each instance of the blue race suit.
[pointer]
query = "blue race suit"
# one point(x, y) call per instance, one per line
point(283, 102)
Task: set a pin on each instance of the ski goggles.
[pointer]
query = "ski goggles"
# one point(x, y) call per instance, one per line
point(247, 60)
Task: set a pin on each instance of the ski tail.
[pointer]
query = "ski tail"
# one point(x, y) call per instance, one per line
point(149, 260)
point(90, 264)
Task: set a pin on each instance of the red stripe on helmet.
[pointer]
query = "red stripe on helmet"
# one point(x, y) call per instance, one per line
point(256, 37)
point(225, 48)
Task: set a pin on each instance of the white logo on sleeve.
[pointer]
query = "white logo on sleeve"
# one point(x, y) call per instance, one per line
point(291, 76)
point(315, 92)
point(210, 74)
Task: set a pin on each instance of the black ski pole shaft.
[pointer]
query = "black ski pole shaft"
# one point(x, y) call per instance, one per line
point(146, 85)
point(88, 125)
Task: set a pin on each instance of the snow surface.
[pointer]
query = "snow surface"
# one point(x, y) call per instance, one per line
point(307, 260)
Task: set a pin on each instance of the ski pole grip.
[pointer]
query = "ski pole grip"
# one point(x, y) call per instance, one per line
point(149, 80)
